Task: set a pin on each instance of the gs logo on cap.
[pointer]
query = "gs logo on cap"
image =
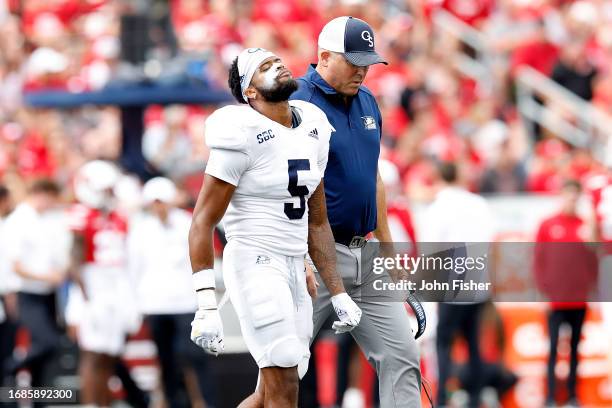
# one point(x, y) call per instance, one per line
point(367, 36)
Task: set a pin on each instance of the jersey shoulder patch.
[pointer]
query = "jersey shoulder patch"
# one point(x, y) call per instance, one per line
point(225, 128)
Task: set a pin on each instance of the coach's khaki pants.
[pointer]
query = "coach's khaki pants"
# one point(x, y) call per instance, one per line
point(383, 334)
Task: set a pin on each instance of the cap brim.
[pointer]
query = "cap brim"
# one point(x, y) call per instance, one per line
point(364, 59)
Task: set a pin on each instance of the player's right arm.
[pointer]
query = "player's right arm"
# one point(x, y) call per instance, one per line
point(206, 328)
point(227, 161)
point(213, 200)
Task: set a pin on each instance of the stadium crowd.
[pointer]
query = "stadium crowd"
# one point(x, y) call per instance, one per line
point(431, 111)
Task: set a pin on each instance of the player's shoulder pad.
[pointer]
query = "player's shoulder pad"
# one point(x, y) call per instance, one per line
point(225, 128)
point(311, 112)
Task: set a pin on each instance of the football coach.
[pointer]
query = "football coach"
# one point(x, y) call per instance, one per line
point(356, 205)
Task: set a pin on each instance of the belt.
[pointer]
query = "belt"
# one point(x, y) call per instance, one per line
point(357, 242)
point(349, 238)
point(354, 241)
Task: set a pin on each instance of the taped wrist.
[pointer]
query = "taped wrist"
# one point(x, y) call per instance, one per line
point(206, 299)
point(340, 299)
point(204, 285)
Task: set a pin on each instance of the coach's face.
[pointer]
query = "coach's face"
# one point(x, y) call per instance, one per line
point(343, 76)
point(273, 81)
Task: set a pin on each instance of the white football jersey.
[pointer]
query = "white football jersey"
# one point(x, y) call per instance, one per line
point(275, 170)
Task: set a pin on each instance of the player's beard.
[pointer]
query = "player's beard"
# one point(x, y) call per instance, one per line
point(280, 93)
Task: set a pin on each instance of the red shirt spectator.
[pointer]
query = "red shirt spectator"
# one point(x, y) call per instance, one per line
point(565, 269)
point(545, 177)
point(471, 12)
point(281, 11)
point(539, 55)
point(544, 180)
point(66, 11)
point(34, 158)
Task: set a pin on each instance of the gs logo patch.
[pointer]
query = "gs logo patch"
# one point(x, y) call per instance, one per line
point(368, 122)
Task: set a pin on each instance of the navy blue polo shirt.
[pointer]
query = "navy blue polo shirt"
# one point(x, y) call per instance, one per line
point(350, 177)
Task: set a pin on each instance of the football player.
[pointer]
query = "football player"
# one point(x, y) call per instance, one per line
point(99, 306)
point(265, 174)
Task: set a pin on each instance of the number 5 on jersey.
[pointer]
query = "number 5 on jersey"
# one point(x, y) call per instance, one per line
point(293, 212)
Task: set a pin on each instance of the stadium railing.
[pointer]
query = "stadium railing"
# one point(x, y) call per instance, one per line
point(540, 100)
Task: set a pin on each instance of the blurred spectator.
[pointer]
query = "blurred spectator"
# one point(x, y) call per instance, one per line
point(398, 209)
point(46, 69)
point(457, 215)
point(574, 71)
point(74, 45)
point(38, 255)
point(538, 52)
point(559, 249)
point(12, 67)
point(473, 12)
point(159, 265)
point(8, 299)
point(506, 175)
point(510, 25)
point(431, 110)
point(168, 145)
point(546, 168)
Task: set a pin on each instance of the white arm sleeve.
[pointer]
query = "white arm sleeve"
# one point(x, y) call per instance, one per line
point(227, 165)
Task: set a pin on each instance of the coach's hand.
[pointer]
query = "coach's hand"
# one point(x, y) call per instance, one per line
point(207, 330)
point(348, 312)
